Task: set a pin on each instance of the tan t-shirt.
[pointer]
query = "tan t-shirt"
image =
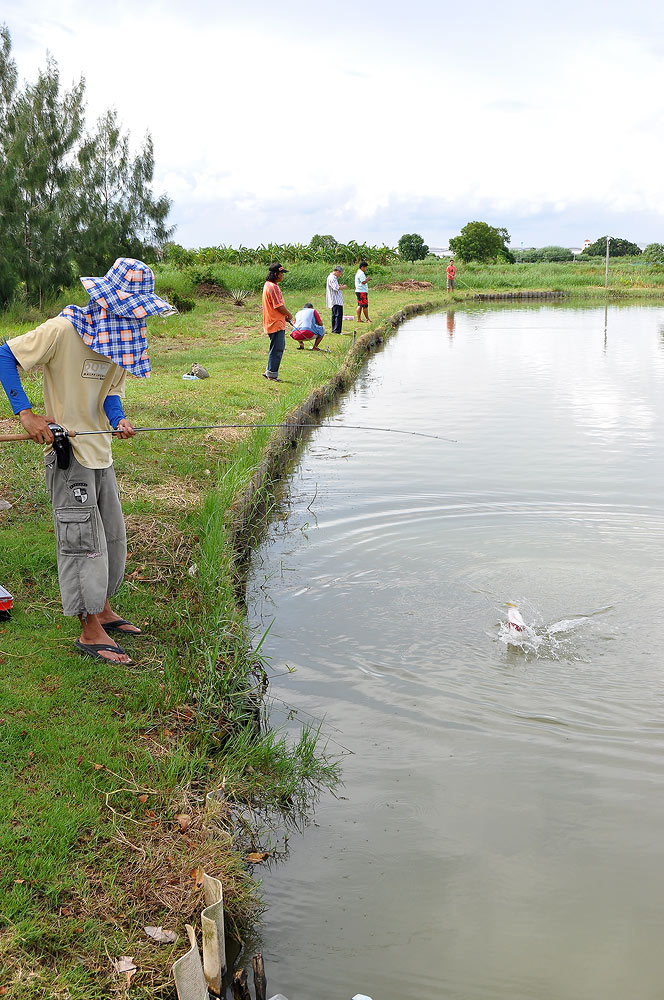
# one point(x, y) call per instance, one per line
point(76, 383)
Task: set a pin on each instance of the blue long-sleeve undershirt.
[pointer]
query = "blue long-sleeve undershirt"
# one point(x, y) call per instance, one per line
point(11, 383)
point(113, 410)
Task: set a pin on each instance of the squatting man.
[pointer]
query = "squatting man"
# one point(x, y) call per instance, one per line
point(86, 354)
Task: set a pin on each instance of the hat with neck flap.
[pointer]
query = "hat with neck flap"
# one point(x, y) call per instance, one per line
point(114, 321)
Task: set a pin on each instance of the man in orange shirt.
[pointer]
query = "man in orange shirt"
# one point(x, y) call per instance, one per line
point(451, 275)
point(275, 315)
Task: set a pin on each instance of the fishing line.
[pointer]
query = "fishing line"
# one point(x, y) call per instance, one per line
point(321, 722)
point(354, 427)
point(207, 427)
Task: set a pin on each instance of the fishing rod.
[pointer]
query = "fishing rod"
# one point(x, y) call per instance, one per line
point(63, 432)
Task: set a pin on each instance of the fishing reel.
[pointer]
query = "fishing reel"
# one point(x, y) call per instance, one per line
point(61, 446)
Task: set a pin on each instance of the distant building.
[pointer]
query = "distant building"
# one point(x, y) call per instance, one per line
point(440, 252)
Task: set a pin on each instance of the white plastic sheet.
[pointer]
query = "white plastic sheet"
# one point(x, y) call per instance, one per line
point(214, 945)
point(188, 972)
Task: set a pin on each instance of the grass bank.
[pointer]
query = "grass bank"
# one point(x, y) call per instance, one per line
point(106, 768)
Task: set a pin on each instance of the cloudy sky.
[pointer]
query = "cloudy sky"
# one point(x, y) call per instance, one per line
point(370, 119)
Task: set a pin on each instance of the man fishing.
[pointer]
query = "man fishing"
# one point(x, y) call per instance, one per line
point(85, 354)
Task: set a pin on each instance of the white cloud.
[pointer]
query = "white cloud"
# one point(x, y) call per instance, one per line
point(295, 117)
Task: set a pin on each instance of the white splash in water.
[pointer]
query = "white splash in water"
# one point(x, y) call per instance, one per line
point(554, 640)
point(515, 632)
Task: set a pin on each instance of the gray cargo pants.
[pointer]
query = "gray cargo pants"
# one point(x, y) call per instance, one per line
point(90, 535)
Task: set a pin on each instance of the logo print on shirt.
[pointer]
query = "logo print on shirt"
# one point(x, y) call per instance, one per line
point(95, 369)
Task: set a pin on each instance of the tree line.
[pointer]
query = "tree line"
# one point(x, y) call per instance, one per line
point(478, 241)
point(71, 200)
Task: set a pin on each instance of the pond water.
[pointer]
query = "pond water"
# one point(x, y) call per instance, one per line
point(501, 828)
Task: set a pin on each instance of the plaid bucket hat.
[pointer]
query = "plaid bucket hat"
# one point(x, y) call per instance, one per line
point(114, 321)
point(127, 289)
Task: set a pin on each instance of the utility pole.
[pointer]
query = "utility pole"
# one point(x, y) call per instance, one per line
point(606, 271)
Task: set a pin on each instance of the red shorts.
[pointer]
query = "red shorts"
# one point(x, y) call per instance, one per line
point(363, 299)
point(303, 335)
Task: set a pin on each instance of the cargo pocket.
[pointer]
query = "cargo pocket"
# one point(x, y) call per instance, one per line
point(76, 531)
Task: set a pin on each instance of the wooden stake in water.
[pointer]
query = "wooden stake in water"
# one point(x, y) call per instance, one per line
point(260, 982)
point(606, 270)
point(240, 986)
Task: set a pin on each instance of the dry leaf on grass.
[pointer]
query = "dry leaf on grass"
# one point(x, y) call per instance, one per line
point(125, 967)
point(184, 820)
point(125, 963)
point(197, 875)
point(160, 935)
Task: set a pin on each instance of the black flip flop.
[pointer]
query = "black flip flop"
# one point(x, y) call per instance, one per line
point(92, 649)
point(115, 626)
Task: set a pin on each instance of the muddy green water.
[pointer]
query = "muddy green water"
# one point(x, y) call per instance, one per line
point(501, 830)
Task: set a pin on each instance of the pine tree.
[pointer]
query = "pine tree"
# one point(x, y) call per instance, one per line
point(117, 213)
point(36, 196)
point(69, 204)
point(8, 78)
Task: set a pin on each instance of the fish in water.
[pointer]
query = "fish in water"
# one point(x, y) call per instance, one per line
point(515, 622)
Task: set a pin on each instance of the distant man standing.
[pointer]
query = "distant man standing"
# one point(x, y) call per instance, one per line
point(362, 291)
point(451, 275)
point(334, 299)
point(275, 316)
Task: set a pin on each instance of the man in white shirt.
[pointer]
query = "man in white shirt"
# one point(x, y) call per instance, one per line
point(362, 291)
point(334, 299)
